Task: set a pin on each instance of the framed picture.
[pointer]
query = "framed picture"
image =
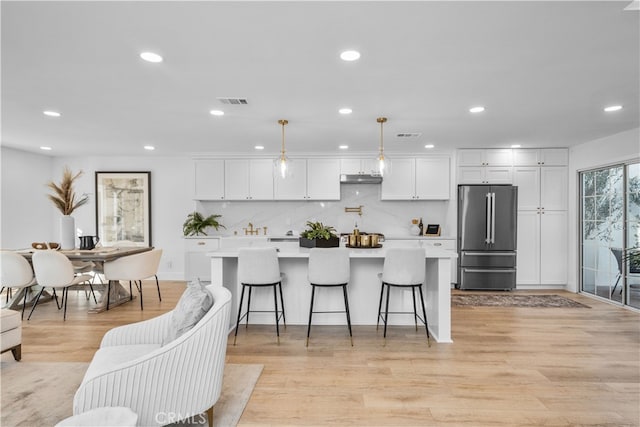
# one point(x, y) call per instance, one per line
point(432, 230)
point(123, 208)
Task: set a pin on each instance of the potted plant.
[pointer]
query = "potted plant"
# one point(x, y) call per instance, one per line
point(318, 235)
point(196, 223)
point(64, 198)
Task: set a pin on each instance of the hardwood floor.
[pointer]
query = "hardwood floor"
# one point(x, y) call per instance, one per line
point(506, 367)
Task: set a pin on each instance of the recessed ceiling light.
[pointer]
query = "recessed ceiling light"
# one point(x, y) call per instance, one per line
point(216, 112)
point(151, 57)
point(259, 147)
point(345, 111)
point(51, 113)
point(429, 146)
point(350, 55)
point(45, 148)
point(612, 108)
point(149, 147)
point(343, 147)
point(478, 109)
point(516, 145)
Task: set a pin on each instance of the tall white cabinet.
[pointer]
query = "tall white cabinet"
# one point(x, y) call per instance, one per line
point(541, 176)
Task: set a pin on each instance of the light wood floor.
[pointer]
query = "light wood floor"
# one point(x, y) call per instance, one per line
point(507, 366)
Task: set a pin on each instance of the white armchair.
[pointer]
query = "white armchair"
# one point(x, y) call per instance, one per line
point(182, 378)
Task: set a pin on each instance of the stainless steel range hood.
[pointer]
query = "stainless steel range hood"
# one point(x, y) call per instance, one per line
point(360, 179)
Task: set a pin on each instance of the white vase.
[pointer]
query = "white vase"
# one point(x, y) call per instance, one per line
point(67, 232)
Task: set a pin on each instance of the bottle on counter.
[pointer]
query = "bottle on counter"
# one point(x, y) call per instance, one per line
point(421, 227)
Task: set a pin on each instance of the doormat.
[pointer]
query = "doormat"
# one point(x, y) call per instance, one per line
point(498, 300)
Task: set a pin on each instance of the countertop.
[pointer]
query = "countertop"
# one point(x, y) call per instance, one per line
point(295, 238)
point(299, 252)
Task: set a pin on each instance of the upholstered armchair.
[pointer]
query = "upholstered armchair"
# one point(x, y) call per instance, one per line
point(161, 382)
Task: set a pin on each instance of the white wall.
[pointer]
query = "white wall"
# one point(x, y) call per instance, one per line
point(617, 148)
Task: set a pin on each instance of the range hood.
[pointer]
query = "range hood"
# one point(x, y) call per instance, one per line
point(360, 179)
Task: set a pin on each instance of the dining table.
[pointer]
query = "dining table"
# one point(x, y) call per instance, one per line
point(115, 294)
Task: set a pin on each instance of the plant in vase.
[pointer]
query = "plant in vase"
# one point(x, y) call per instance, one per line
point(318, 235)
point(64, 198)
point(196, 223)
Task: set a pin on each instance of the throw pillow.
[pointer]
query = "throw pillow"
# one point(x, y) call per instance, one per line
point(194, 303)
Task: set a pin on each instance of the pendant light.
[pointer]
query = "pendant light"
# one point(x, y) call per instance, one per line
point(383, 164)
point(283, 162)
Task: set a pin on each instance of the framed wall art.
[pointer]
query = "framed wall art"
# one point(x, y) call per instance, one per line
point(123, 208)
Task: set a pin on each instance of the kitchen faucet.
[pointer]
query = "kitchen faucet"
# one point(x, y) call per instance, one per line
point(250, 230)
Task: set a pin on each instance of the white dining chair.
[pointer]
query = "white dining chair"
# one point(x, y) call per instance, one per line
point(134, 269)
point(54, 270)
point(15, 272)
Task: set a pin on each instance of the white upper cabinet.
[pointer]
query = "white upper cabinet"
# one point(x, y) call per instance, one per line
point(541, 157)
point(358, 166)
point(417, 179)
point(311, 179)
point(541, 187)
point(485, 175)
point(209, 179)
point(248, 179)
point(485, 157)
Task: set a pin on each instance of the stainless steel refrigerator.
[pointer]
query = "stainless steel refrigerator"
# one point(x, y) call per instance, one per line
point(487, 224)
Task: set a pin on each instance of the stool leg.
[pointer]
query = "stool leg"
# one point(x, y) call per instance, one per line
point(24, 302)
point(246, 325)
point(386, 313)
point(313, 294)
point(284, 319)
point(346, 307)
point(239, 312)
point(65, 297)
point(275, 300)
point(415, 308)
point(380, 305)
point(140, 292)
point(158, 286)
point(424, 313)
point(35, 303)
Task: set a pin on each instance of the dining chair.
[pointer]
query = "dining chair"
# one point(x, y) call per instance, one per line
point(134, 269)
point(15, 272)
point(54, 270)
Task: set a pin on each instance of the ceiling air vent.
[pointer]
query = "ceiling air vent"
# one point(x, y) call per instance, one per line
point(408, 135)
point(233, 101)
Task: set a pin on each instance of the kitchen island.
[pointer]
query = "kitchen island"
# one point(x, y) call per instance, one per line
point(364, 290)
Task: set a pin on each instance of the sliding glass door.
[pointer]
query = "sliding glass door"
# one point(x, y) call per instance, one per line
point(610, 218)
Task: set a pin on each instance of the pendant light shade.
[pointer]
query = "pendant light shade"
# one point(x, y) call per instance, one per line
point(383, 163)
point(282, 163)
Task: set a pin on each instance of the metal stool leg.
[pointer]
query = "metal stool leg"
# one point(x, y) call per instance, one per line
point(35, 303)
point(313, 294)
point(380, 305)
point(424, 313)
point(284, 318)
point(415, 308)
point(386, 312)
point(239, 313)
point(275, 300)
point(246, 324)
point(346, 307)
point(158, 286)
point(65, 297)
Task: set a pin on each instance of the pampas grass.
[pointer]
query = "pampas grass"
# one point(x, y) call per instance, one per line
point(63, 197)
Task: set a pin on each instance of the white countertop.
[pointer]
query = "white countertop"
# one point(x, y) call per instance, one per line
point(299, 252)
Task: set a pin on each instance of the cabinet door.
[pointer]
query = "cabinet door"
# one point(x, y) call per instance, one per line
point(261, 179)
point(553, 248)
point(528, 181)
point(350, 166)
point(294, 186)
point(528, 256)
point(433, 179)
point(499, 157)
point(554, 157)
point(197, 265)
point(524, 157)
point(471, 175)
point(209, 180)
point(399, 183)
point(323, 179)
point(553, 188)
point(369, 166)
point(471, 157)
point(498, 175)
point(236, 179)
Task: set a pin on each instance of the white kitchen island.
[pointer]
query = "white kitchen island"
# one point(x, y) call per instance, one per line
point(363, 289)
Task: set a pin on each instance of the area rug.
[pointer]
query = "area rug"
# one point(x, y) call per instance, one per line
point(509, 300)
point(41, 394)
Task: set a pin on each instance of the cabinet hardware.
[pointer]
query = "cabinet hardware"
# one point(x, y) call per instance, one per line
point(201, 243)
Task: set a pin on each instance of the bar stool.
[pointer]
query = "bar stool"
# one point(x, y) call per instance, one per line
point(259, 267)
point(328, 268)
point(403, 268)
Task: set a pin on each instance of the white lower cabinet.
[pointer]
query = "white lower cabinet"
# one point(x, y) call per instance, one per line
point(197, 265)
point(542, 248)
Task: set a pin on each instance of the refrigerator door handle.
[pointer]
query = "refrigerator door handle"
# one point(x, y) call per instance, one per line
point(488, 228)
point(493, 218)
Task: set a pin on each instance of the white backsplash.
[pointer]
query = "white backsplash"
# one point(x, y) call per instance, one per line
point(387, 217)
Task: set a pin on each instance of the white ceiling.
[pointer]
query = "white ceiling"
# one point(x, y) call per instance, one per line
point(543, 70)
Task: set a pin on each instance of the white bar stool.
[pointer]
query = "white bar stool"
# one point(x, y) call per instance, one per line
point(329, 267)
point(403, 268)
point(259, 267)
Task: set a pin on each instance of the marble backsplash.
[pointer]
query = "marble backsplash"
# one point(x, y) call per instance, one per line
point(387, 217)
